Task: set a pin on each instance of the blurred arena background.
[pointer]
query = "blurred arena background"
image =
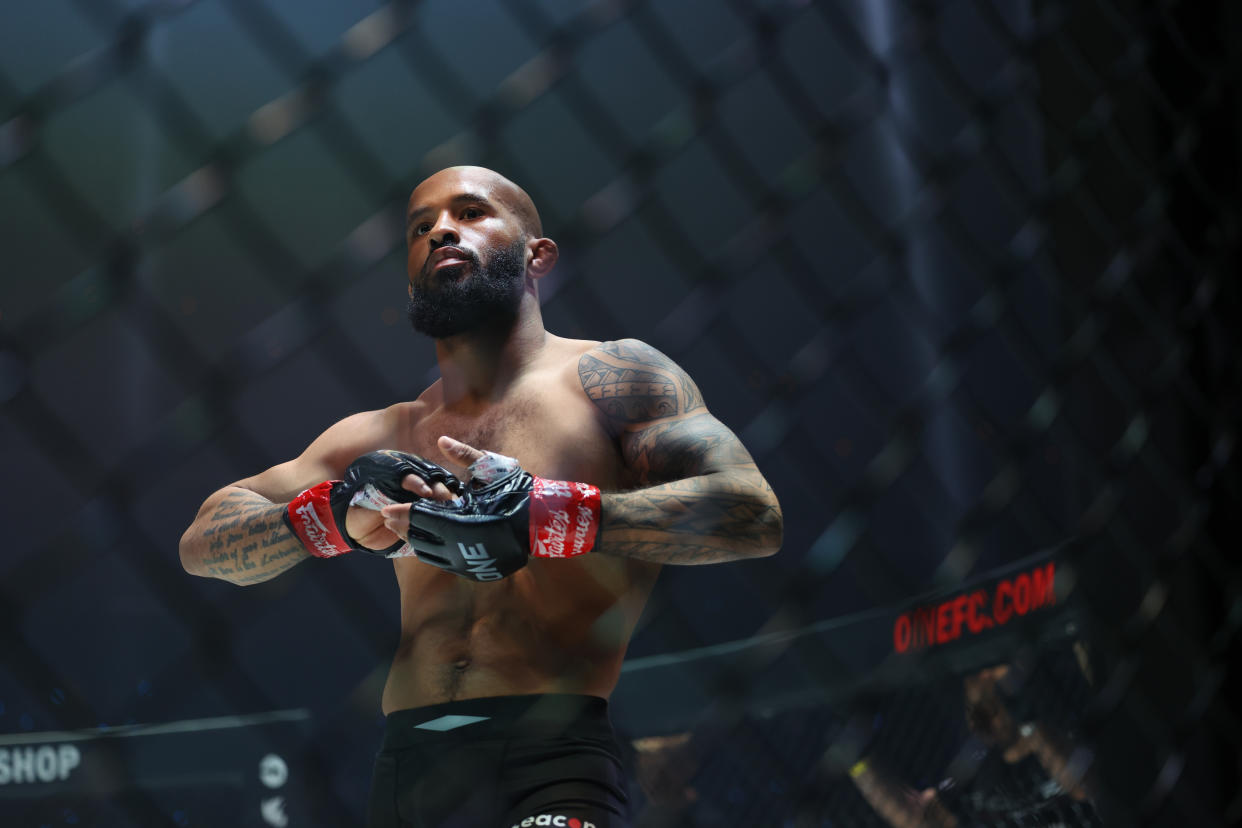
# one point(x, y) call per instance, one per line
point(962, 274)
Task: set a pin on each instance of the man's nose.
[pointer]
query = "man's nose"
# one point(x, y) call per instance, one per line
point(443, 233)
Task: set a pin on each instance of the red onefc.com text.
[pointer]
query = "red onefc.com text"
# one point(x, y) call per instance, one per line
point(974, 612)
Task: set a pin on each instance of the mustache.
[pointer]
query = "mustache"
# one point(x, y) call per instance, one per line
point(466, 253)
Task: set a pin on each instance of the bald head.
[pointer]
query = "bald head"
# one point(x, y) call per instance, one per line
point(492, 185)
point(474, 251)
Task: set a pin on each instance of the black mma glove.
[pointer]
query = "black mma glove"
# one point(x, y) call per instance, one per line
point(500, 520)
point(317, 516)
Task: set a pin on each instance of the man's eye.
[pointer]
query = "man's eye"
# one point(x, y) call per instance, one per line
point(422, 229)
point(472, 212)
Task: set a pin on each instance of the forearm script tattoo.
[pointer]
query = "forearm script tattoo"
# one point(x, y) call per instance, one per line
point(246, 539)
point(702, 498)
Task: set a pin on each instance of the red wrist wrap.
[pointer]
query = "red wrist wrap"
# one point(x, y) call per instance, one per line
point(564, 518)
point(310, 518)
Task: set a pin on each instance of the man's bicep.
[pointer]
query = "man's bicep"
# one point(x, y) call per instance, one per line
point(684, 447)
point(656, 409)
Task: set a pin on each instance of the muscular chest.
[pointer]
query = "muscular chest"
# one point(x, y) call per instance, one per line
point(553, 436)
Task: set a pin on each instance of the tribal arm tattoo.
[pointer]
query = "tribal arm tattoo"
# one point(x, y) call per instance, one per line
point(240, 536)
point(702, 500)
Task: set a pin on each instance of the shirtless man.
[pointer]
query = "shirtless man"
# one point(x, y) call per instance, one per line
point(496, 699)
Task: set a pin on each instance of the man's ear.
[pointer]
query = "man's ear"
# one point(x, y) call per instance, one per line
point(543, 256)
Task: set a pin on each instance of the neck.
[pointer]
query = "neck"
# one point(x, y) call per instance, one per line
point(479, 366)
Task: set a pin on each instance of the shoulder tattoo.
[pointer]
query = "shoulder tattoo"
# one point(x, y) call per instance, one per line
point(632, 382)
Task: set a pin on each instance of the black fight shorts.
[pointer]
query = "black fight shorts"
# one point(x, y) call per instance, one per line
point(501, 762)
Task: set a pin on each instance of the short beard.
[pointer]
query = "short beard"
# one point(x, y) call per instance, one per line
point(486, 297)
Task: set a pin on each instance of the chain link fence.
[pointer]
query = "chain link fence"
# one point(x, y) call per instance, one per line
point(961, 274)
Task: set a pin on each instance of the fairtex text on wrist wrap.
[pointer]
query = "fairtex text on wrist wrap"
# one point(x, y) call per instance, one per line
point(564, 518)
point(310, 518)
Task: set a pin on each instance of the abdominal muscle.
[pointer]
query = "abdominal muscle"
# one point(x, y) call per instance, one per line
point(556, 626)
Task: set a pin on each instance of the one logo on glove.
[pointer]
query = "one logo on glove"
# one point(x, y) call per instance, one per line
point(481, 566)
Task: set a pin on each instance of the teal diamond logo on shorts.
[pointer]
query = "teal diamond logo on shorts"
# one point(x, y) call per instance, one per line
point(450, 722)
